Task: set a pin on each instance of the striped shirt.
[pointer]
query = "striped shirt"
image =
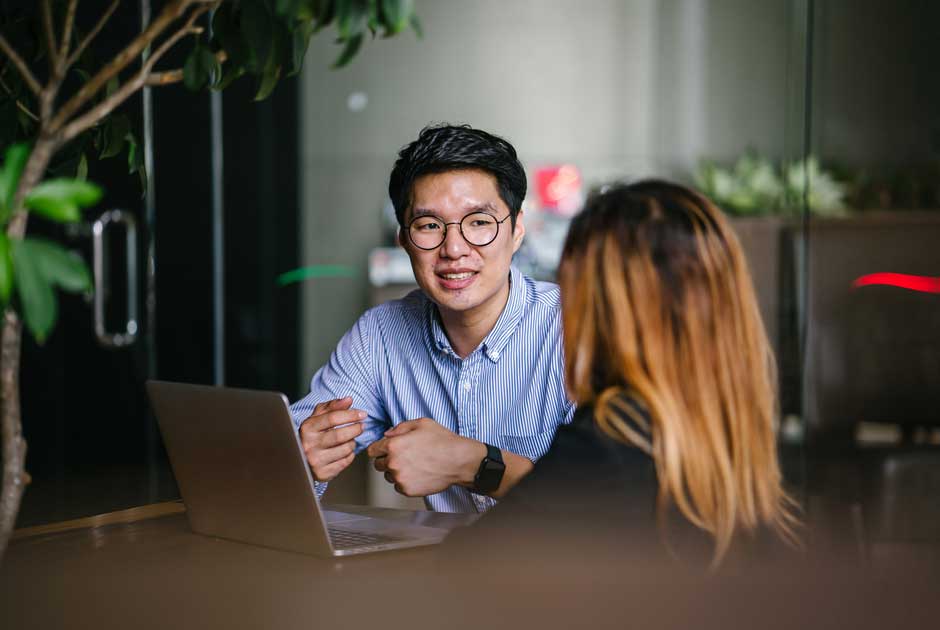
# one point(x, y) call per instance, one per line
point(397, 364)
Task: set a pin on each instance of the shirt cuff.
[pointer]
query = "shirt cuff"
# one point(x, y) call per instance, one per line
point(320, 487)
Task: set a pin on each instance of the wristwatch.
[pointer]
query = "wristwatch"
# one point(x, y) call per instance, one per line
point(491, 470)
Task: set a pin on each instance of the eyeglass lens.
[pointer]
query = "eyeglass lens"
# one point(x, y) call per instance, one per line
point(478, 228)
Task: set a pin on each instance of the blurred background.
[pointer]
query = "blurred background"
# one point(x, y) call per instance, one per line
point(814, 123)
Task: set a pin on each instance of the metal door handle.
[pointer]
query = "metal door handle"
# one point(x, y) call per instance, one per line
point(107, 338)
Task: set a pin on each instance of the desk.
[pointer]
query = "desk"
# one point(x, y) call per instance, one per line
point(143, 568)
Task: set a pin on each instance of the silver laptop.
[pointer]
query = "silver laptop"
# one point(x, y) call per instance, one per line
point(243, 475)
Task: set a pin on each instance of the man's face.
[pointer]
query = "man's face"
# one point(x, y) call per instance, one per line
point(457, 276)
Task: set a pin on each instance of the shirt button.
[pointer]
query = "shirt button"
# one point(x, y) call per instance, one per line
point(466, 386)
point(495, 355)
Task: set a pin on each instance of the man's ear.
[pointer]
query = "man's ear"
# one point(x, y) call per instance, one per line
point(518, 233)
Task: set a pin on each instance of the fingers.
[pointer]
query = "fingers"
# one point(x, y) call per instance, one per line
point(404, 427)
point(330, 419)
point(332, 405)
point(329, 439)
point(327, 463)
point(380, 463)
point(379, 448)
point(329, 472)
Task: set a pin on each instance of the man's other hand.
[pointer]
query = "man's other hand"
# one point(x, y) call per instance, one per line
point(329, 447)
point(421, 457)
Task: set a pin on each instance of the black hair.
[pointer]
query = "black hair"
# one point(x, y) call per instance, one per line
point(441, 148)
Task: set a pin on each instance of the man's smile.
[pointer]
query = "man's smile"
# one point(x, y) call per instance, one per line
point(454, 279)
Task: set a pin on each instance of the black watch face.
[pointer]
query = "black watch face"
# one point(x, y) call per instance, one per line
point(490, 475)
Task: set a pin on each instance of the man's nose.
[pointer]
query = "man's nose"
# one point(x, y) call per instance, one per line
point(454, 244)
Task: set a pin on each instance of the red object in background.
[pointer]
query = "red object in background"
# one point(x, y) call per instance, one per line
point(559, 188)
point(924, 284)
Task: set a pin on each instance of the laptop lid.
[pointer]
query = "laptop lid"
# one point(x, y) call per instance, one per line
point(239, 466)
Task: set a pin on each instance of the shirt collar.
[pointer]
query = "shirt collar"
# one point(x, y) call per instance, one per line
point(497, 338)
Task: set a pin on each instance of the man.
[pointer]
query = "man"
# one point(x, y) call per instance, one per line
point(465, 376)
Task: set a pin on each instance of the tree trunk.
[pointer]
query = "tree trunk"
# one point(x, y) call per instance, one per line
point(15, 477)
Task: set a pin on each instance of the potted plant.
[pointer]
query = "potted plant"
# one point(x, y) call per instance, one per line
point(57, 99)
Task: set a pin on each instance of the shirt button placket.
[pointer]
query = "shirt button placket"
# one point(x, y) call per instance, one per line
point(463, 392)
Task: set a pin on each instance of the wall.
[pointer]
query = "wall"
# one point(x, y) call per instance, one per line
point(618, 88)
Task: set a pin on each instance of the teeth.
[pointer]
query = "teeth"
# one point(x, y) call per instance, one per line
point(457, 276)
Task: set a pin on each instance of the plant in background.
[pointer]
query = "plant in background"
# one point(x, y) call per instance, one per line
point(825, 196)
point(754, 186)
point(750, 187)
point(57, 111)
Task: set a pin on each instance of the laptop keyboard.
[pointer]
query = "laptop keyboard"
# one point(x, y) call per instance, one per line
point(345, 539)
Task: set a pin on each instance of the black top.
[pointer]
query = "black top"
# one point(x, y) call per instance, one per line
point(590, 494)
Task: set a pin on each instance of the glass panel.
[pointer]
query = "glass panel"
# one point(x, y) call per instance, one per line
point(587, 95)
point(93, 445)
point(872, 364)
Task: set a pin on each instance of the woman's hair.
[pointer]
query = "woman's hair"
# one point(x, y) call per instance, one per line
point(658, 305)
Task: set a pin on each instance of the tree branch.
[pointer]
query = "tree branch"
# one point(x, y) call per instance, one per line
point(50, 35)
point(136, 82)
point(175, 76)
point(22, 106)
point(170, 14)
point(67, 34)
point(28, 77)
point(91, 34)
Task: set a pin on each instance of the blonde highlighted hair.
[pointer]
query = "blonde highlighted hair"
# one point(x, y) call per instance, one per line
point(658, 305)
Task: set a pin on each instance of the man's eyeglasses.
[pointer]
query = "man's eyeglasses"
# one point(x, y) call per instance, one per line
point(477, 228)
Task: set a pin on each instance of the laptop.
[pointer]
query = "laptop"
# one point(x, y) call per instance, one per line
point(243, 476)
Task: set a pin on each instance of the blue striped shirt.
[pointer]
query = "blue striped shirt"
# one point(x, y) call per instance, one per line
point(397, 364)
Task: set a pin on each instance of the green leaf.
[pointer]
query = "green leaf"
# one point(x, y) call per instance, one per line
point(37, 298)
point(351, 18)
point(81, 172)
point(61, 199)
point(230, 73)
point(272, 71)
point(300, 41)
point(115, 130)
point(13, 164)
point(134, 157)
point(258, 29)
point(352, 47)
point(195, 71)
point(268, 82)
point(226, 33)
point(324, 11)
point(287, 8)
point(111, 86)
point(416, 25)
point(396, 14)
point(60, 267)
point(6, 269)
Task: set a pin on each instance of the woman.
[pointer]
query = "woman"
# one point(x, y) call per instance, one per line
point(669, 364)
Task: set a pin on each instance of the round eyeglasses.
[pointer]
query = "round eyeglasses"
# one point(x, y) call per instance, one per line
point(477, 228)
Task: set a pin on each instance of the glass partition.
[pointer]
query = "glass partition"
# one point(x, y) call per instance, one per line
point(871, 295)
point(711, 94)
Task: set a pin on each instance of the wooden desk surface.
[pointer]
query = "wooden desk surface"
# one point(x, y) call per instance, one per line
point(144, 568)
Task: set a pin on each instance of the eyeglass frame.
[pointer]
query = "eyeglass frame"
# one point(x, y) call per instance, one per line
point(459, 225)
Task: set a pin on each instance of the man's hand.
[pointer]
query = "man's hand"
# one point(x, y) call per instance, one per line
point(329, 450)
point(421, 457)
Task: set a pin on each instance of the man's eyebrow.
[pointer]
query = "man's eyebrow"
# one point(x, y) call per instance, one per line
point(485, 207)
point(428, 212)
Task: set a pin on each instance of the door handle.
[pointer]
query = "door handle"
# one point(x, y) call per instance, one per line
point(115, 339)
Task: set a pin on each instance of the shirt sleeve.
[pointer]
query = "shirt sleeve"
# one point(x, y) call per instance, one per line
point(351, 371)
